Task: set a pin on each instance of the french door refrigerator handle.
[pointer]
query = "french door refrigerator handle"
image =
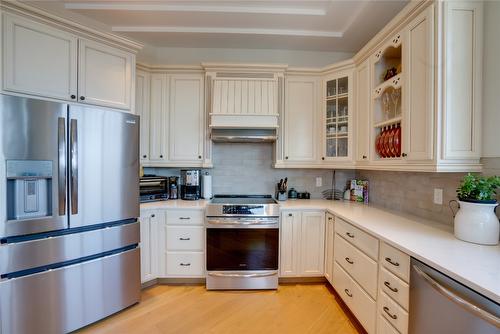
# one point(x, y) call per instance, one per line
point(492, 319)
point(61, 148)
point(73, 142)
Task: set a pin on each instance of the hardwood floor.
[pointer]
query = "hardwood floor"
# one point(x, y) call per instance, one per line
point(294, 308)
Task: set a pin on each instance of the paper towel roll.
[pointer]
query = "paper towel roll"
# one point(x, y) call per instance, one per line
point(206, 186)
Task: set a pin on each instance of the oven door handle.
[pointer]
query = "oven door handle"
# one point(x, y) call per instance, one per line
point(242, 222)
point(235, 275)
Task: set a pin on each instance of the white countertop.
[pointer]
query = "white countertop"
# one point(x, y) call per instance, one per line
point(430, 242)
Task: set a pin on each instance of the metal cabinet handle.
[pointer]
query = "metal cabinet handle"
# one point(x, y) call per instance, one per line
point(185, 239)
point(199, 157)
point(349, 235)
point(153, 215)
point(404, 155)
point(393, 316)
point(290, 215)
point(265, 274)
point(73, 96)
point(82, 98)
point(330, 218)
point(349, 260)
point(161, 156)
point(286, 158)
point(185, 264)
point(388, 259)
point(347, 292)
point(73, 143)
point(61, 140)
point(184, 218)
point(322, 158)
point(388, 285)
point(491, 318)
point(144, 156)
point(364, 156)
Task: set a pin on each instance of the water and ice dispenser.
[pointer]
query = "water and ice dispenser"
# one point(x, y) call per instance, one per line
point(29, 189)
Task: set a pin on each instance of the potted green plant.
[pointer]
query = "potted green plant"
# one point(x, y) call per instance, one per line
point(476, 220)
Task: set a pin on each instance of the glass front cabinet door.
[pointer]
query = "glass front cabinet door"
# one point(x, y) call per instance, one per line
point(337, 119)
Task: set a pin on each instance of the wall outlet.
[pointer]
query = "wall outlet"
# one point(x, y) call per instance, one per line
point(438, 196)
point(319, 181)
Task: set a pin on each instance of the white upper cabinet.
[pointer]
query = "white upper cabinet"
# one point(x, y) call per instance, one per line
point(158, 125)
point(363, 103)
point(300, 117)
point(338, 109)
point(104, 75)
point(39, 60)
point(462, 56)
point(418, 60)
point(142, 108)
point(187, 121)
point(48, 62)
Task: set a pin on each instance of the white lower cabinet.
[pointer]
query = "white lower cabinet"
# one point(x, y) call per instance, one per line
point(149, 222)
point(182, 245)
point(329, 236)
point(360, 303)
point(302, 244)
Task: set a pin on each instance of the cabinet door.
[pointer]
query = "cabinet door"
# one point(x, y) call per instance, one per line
point(105, 75)
point(329, 237)
point(418, 111)
point(39, 59)
point(142, 99)
point(312, 240)
point(290, 243)
point(300, 119)
point(149, 245)
point(363, 97)
point(187, 122)
point(158, 119)
point(463, 54)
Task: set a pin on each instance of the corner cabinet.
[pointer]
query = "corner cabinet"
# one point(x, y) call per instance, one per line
point(173, 122)
point(50, 62)
point(424, 115)
point(302, 244)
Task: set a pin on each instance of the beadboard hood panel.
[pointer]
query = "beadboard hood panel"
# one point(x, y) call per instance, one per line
point(248, 97)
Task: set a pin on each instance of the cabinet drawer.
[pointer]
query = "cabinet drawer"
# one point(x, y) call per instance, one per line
point(363, 307)
point(384, 327)
point(357, 264)
point(185, 217)
point(355, 236)
point(396, 261)
point(185, 264)
point(182, 238)
point(393, 313)
point(394, 288)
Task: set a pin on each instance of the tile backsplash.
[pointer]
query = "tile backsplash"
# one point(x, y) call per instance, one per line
point(247, 169)
point(413, 193)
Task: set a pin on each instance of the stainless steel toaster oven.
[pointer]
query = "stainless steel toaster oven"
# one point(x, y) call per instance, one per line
point(153, 188)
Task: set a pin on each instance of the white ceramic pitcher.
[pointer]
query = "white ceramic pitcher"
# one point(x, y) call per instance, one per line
point(477, 223)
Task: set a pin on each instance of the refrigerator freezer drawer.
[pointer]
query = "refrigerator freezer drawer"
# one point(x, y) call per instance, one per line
point(65, 299)
point(20, 256)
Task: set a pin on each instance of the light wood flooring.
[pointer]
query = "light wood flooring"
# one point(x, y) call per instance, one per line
point(294, 308)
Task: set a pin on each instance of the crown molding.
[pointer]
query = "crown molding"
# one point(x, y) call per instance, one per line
point(19, 8)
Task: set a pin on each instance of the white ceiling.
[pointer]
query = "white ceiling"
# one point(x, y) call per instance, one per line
point(280, 24)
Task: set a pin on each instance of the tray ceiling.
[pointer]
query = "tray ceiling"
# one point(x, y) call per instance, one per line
point(302, 25)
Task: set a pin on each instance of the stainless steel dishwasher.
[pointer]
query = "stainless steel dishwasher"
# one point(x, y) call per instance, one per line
point(441, 305)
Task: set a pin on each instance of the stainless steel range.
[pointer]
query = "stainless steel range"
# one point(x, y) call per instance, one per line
point(242, 242)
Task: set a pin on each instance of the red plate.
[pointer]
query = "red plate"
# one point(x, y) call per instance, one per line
point(392, 150)
point(397, 141)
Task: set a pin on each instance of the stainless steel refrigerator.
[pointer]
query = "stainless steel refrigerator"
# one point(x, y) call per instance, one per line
point(69, 202)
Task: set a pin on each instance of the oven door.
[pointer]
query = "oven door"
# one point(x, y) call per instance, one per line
point(242, 245)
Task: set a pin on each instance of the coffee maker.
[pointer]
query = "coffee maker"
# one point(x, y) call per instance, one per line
point(190, 184)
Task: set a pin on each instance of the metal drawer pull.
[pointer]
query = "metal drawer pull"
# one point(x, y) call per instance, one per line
point(349, 260)
point(349, 235)
point(244, 275)
point(184, 218)
point(393, 316)
point(491, 318)
point(347, 292)
point(387, 284)
point(388, 259)
point(185, 239)
point(185, 264)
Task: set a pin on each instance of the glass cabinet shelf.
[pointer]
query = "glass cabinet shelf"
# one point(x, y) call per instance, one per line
point(337, 117)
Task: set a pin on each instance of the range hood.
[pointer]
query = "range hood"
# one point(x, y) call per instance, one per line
point(244, 135)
